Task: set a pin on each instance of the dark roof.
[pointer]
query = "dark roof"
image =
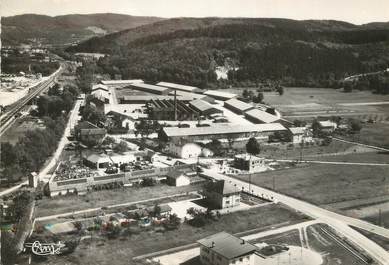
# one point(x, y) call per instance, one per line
point(93, 131)
point(175, 174)
point(85, 125)
point(222, 187)
point(227, 245)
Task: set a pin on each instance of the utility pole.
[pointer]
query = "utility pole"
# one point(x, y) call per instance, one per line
point(175, 104)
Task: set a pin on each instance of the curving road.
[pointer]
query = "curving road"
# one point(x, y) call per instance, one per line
point(339, 222)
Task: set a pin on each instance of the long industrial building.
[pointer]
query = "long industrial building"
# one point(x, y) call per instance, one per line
point(260, 116)
point(120, 83)
point(203, 107)
point(150, 88)
point(237, 106)
point(220, 95)
point(260, 131)
point(185, 88)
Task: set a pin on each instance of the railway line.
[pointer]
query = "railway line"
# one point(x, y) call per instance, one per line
point(9, 116)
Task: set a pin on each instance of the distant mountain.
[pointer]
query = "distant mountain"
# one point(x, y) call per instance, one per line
point(299, 53)
point(60, 30)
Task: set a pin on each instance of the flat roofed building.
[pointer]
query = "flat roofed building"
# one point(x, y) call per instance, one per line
point(159, 90)
point(220, 95)
point(249, 163)
point(203, 107)
point(192, 96)
point(179, 87)
point(225, 249)
point(260, 116)
point(237, 106)
point(328, 126)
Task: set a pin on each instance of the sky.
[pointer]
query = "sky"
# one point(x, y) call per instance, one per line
point(354, 11)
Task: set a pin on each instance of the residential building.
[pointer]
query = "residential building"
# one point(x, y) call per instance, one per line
point(187, 150)
point(221, 194)
point(237, 106)
point(328, 126)
point(177, 178)
point(225, 249)
point(298, 135)
point(249, 163)
point(89, 133)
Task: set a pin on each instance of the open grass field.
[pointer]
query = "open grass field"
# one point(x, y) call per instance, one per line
point(323, 184)
point(100, 250)
point(69, 203)
point(376, 134)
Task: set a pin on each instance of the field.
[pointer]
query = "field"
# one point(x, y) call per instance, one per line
point(305, 102)
point(323, 184)
point(100, 250)
point(69, 203)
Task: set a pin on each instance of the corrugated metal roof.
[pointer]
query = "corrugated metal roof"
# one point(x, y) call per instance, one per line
point(262, 116)
point(238, 104)
point(179, 87)
point(222, 129)
point(227, 245)
point(220, 94)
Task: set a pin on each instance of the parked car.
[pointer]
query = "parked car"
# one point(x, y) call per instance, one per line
point(111, 170)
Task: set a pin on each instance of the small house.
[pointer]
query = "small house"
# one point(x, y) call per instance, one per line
point(177, 178)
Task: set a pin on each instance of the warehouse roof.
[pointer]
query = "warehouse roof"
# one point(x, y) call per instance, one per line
point(262, 116)
point(227, 245)
point(201, 105)
point(219, 94)
point(179, 87)
point(238, 104)
point(222, 129)
point(150, 87)
point(121, 82)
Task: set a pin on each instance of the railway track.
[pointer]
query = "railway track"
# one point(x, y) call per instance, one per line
point(9, 115)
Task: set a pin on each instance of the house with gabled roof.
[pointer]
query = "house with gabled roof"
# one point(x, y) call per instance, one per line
point(221, 194)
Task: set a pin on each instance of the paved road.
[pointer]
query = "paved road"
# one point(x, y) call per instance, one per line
point(330, 162)
point(64, 140)
point(339, 222)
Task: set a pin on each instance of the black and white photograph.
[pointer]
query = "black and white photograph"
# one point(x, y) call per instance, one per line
point(194, 132)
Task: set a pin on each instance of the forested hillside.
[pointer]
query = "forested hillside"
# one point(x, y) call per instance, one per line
point(298, 53)
point(32, 28)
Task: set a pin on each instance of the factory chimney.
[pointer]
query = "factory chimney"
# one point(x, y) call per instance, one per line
point(175, 104)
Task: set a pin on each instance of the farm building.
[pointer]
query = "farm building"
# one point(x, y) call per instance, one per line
point(225, 249)
point(219, 95)
point(177, 179)
point(185, 88)
point(260, 116)
point(221, 194)
point(237, 106)
point(150, 88)
point(203, 107)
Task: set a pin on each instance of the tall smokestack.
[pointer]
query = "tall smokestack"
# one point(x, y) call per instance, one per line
point(175, 104)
